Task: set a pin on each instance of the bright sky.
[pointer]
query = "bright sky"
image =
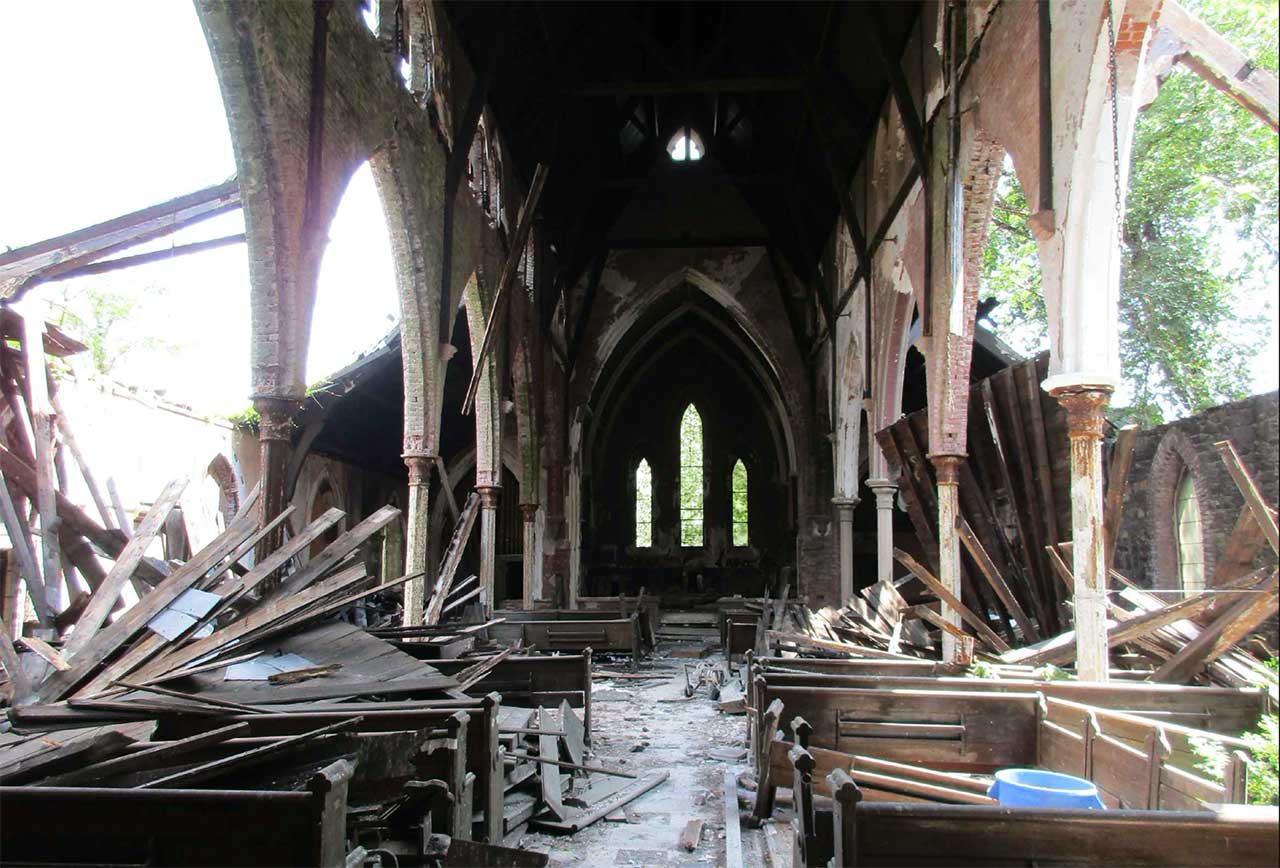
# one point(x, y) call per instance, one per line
point(124, 112)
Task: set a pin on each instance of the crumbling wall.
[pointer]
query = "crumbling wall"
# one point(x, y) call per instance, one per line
point(1145, 551)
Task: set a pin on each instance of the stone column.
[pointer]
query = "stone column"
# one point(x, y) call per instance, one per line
point(488, 542)
point(275, 437)
point(947, 468)
point(415, 532)
point(532, 555)
point(886, 492)
point(844, 517)
point(1085, 407)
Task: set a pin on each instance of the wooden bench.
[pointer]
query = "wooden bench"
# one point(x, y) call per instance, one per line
point(100, 825)
point(1225, 710)
point(575, 632)
point(536, 681)
point(471, 766)
point(856, 833)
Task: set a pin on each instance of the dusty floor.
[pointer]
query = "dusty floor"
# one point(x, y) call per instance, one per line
point(636, 730)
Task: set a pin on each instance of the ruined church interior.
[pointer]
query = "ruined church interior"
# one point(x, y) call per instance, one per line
point(693, 509)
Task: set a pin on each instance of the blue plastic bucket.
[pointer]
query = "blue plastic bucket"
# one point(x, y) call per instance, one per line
point(1033, 788)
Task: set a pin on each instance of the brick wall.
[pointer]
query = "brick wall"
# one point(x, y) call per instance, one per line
point(1145, 550)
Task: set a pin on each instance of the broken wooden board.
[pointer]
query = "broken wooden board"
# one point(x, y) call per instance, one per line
point(549, 773)
point(573, 739)
point(606, 806)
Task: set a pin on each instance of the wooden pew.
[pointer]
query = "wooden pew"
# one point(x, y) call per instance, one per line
point(619, 635)
point(478, 758)
point(535, 680)
point(1224, 710)
point(99, 825)
point(956, 730)
point(866, 834)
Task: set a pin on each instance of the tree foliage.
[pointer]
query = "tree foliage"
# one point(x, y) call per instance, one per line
point(1199, 235)
point(102, 318)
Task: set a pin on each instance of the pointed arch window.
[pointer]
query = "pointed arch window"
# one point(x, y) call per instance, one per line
point(691, 478)
point(1189, 535)
point(644, 505)
point(741, 533)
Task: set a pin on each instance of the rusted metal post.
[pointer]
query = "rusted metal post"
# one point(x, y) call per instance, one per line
point(886, 492)
point(844, 517)
point(947, 468)
point(488, 542)
point(531, 555)
point(275, 442)
point(419, 464)
point(1085, 421)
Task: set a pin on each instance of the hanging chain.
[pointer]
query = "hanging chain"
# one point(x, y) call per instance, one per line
point(1115, 124)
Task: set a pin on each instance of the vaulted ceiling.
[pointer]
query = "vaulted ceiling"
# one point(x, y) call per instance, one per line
point(779, 93)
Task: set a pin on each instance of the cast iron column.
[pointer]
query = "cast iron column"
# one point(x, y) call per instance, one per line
point(1085, 423)
point(415, 532)
point(886, 492)
point(947, 468)
point(488, 543)
point(844, 517)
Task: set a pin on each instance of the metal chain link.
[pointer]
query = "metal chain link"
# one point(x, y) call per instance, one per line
point(1115, 125)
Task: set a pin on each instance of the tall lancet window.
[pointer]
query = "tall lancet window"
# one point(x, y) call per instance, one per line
point(644, 505)
point(691, 478)
point(741, 534)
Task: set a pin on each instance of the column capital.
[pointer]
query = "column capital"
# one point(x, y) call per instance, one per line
point(845, 506)
point(489, 495)
point(528, 511)
point(876, 484)
point(1085, 408)
point(275, 416)
point(419, 465)
point(886, 491)
point(947, 466)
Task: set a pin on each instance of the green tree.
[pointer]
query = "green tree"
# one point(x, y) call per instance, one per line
point(1199, 235)
point(100, 317)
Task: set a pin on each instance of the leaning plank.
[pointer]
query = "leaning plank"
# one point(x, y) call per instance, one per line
point(221, 766)
point(68, 437)
point(1117, 482)
point(159, 756)
point(45, 651)
point(18, 684)
point(988, 570)
point(263, 616)
point(104, 598)
point(1216, 639)
point(452, 558)
point(111, 637)
point(524, 224)
point(148, 646)
point(1062, 648)
point(20, 540)
point(111, 542)
point(607, 805)
point(42, 433)
point(336, 551)
point(548, 771)
point(1262, 513)
point(941, 592)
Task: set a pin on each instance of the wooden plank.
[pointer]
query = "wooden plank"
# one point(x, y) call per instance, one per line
point(111, 637)
point(161, 754)
point(452, 558)
point(732, 820)
point(213, 769)
point(1117, 483)
point(24, 551)
point(19, 686)
point(44, 650)
point(42, 414)
point(1062, 648)
point(940, 591)
point(1002, 590)
point(1263, 514)
point(335, 551)
point(605, 806)
point(1242, 618)
point(516, 249)
point(105, 597)
point(574, 737)
point(691, 834)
